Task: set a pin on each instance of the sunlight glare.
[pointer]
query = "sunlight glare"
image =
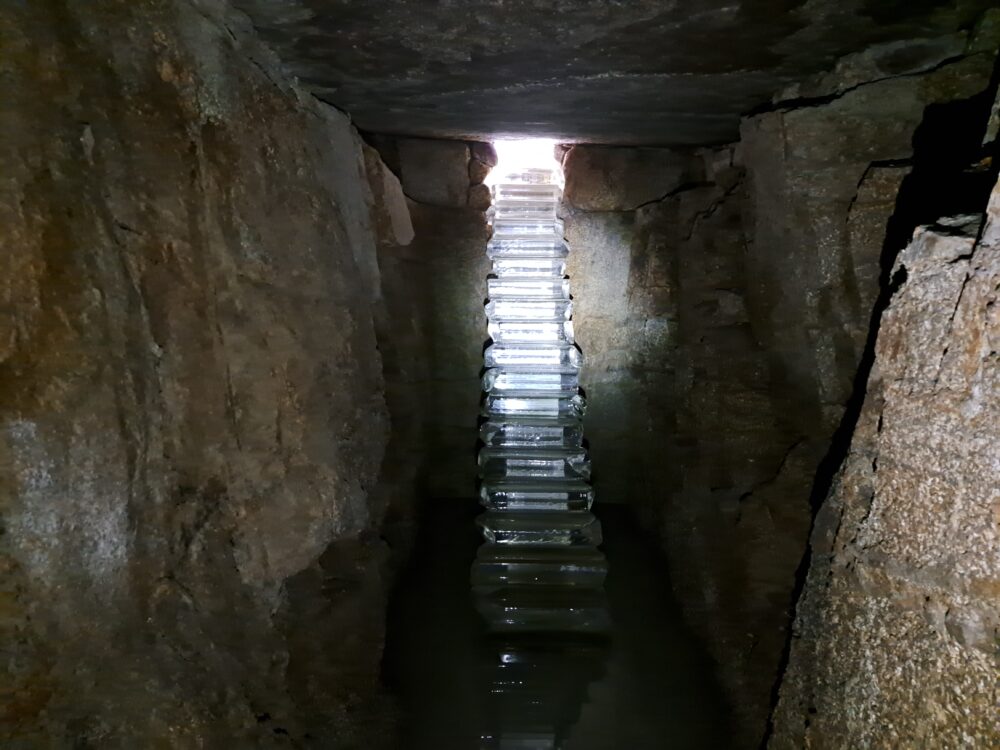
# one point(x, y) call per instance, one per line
point(521, 154)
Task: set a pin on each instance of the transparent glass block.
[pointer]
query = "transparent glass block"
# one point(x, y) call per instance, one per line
point(545, 609)
point(557, 381)
point(533, 176)
point(536, 287)
point(514, 227)
point(520, 191)
point(510, 247)
point(529, 309)
point(522, 210)
point(523, 565)
point(540, 527)
point(531, 331)
point(533, 404)
point(565, 432)
point(533, 463)
point(528, 495)
point(532, 355)
point(529, 265)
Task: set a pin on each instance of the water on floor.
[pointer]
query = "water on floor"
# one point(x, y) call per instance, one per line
point(648, 685)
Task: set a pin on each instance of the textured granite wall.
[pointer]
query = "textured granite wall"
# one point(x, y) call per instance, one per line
point(725, 302)
point(435, 324)
point(896, 634)
point(192, 412)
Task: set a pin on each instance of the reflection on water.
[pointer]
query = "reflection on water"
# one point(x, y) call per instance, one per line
point(647, 685)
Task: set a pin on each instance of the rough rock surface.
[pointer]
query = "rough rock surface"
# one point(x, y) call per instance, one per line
point(813, 264)
point(645, 71)
point(896, 634)
point(683, 422)
point(434, 327)
point(730, 317)
point(191, 401)
point(434, 172)
point(622, 179)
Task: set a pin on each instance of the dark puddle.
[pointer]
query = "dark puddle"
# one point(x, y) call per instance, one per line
point(650, 685)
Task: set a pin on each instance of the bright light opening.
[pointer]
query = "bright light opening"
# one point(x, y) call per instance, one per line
point(521, 154)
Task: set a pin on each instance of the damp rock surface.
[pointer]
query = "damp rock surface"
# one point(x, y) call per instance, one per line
point(191, 397)
point(895, 635)
point(730, 316)
point(433, 327)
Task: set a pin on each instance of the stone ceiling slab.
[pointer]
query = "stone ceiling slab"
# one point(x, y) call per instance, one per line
point(613, 71)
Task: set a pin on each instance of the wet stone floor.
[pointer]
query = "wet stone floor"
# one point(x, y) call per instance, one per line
point(648, 684)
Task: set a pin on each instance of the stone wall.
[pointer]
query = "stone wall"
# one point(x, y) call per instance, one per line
point(724, 303)
point(435, 324)
point(191, 395)
point(896, 633)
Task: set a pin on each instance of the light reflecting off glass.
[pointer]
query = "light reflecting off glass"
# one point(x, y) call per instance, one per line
point(532, 355)
point(531, 331)
point(532, 287)
point(544, 432)
point(498, 379)
point(529, 266)
point(528, 404)
point(529, 309)
point(539, 572)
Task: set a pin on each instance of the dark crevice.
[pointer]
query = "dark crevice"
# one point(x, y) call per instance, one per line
point(882, 164)
point(711, 209)
point(684, 188)
point(777, 472)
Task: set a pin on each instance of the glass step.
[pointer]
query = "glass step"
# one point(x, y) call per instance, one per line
point(564, 381)
point(523, 210)
point(531, 309)
point(528, 287)
point(565, 432)
point(533, 176)
point(523, 565)
point(519, 192)
point(532, 355)
point(529, 265)
point(510, 228)
point(541, 617)
point(528, 495)
point(534, 610)
point(533, 404)
point(514, 247)
point(540, 527)
point(533, 463)
point(531, 331)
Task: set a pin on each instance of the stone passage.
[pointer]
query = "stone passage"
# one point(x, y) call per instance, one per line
point(539, 576)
